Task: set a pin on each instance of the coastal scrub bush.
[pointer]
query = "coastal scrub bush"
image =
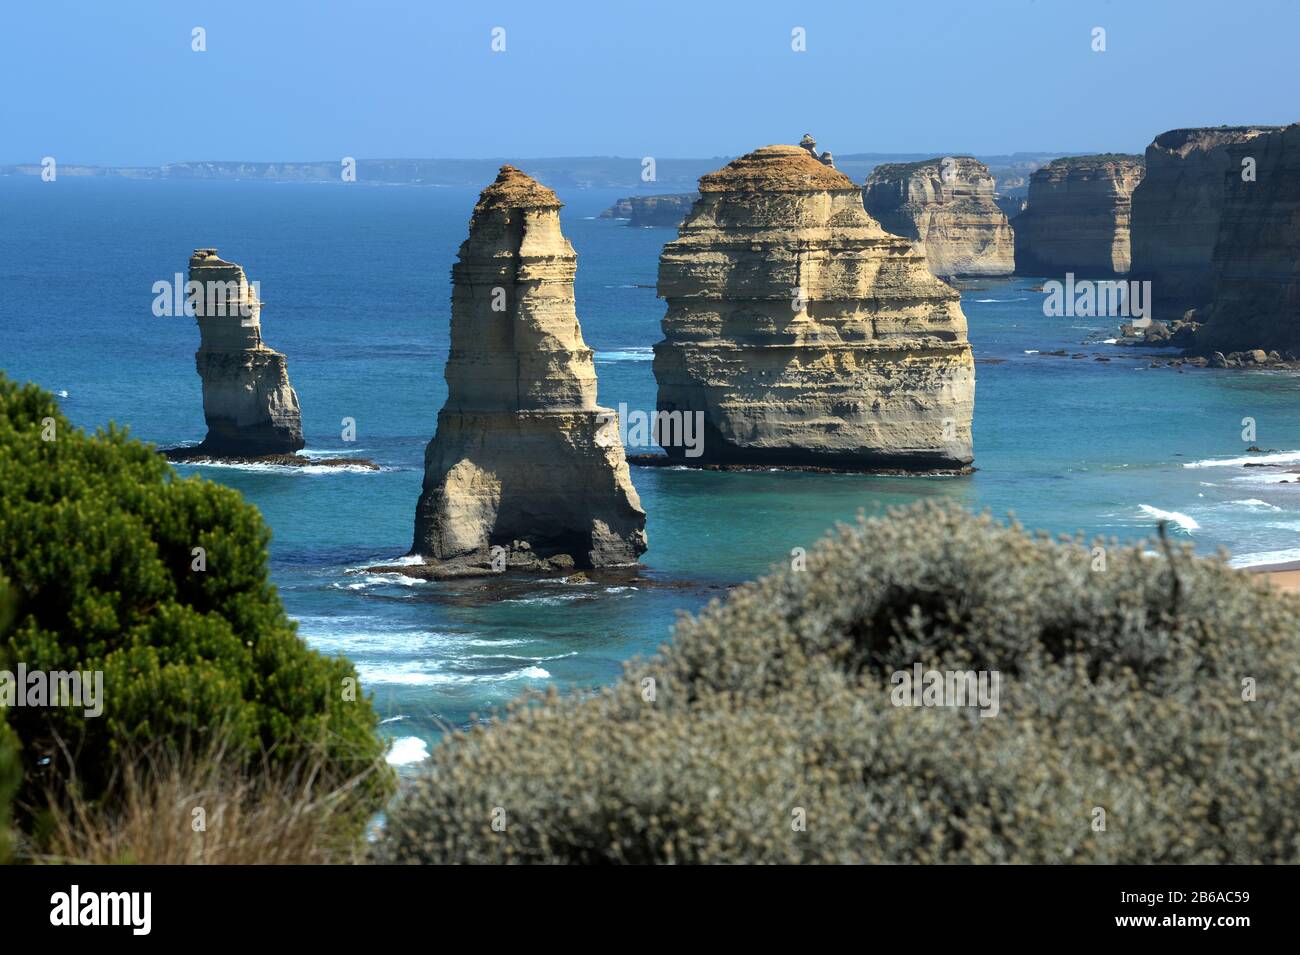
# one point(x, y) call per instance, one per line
point(99, 539)
point(1149, 712)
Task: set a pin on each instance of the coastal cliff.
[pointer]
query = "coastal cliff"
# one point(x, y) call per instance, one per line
point(1255, 300)
point(1078, 216)
point(646, 211)
point(1176, 213)
point(523, 459)
point(803, 334)
point(948, 205)
point(250, 407)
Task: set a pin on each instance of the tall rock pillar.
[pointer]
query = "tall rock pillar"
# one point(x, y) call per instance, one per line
point(524, 458)
point(250, 407)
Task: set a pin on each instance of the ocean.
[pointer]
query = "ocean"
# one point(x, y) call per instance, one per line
point(355, 281)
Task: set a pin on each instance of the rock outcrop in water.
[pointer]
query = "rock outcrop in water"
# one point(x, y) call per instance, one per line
point(1255, 301)
point(803, 334)
point(645, 211)
point(1078, 215)
point(523, 459)
point(1176, 213)
point(250, 407)
point(947, 204)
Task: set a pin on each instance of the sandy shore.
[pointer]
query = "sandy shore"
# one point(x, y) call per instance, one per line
point(1282, 576)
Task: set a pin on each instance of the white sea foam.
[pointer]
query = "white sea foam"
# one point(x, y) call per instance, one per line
point(344, 453)
point(1176, 517)
point(636, 353)
point(1253, 503)
point(1267, 477)
point(551, 600)
point(1031, 351)
point(1281, 457)
point(379, 580)
point(408, 749)
point(1266, 557)
point(409, 674)
point(408, 560)
point(281, 468)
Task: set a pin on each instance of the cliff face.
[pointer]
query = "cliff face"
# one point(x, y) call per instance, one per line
point(1176, 213)
point(1078, 216)
point(523, 457)
point(804, 333)
point(948, 205)
point(250, 407)
point(1255, 301)
point(665, 211)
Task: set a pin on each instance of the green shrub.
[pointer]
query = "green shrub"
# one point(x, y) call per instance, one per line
point(1121, 690)
point(96, 537)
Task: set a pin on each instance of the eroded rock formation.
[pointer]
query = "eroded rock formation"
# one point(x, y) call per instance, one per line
point(1176, 213)
point(523, 459)
point(1255, 300)
point(1078, 216)
point(644, 211)
point(946, 204)
point(803, 333)
point(250, 407)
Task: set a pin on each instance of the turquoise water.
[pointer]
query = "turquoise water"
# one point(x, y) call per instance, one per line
point(355, 282)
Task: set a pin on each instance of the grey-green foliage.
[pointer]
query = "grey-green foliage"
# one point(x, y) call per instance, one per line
point(1122, 690)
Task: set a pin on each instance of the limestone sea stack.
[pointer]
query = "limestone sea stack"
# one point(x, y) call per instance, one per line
point(1255, 301)
point(1176, 213)
point(524, 459)
point(1078, 216)
point(803, 334)
point(250, 407)
point(946, 204)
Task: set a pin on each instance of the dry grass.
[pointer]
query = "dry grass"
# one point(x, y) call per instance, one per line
point(165, 807)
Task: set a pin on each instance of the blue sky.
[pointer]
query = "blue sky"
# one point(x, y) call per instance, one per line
point(117, 82)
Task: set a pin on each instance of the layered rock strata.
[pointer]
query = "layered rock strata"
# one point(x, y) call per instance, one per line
point(1176, 212)
point(946, 204)
point(250, 407)
point(801, 333)
point(1078, 216)
point(1255, 299)
point(526, 470)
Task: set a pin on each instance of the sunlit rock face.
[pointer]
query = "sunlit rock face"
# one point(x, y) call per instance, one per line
point(250, 407)
point(1078, 216)
point(524, 459)
point(804, 334)
point(1177, 209)
point(1255, 299)
point(948, 206)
